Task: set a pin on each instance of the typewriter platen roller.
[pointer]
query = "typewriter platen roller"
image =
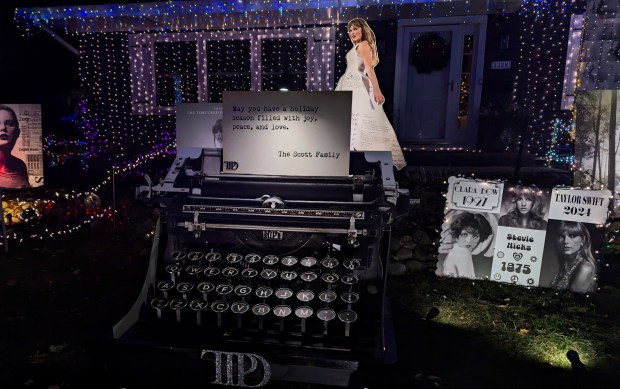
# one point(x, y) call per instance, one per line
point(262, 279)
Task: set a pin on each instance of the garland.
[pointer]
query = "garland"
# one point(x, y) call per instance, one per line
point(430, 52)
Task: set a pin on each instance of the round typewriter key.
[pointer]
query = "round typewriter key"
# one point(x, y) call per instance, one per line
point(305, 295)
point(211, 271)
point(174, 271)
point(165, 286)
point(234, 258)
point(185, 287)
point(329, 263)
point(288, 275)
point(249, 272)
point(352, 264)
point(252, 258)
point(219, 306)
point(289, 261)
point(308, 276)
point(327, 296)
point(263, 292)
point(330, 278)
point(261, 309)
point(177, 305)
point(243, 290)
point(195, 256)
point(308, 261)
point(270, 260)
point(347, 316)
point(326, 314)
point(198, 305)
point(282, 310)
point(193, 270)
point(349, 297)
point(224, 289)
point(268, 274)
point(284, 293)
point(205, 287)
point(178, 255)
point(239, 307)
point(230, 272)
point(350, 279)
point(303, 313)
point(213, 257)
point(159, 304)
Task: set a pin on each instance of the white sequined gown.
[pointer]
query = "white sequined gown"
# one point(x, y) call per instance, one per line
point(370, 128)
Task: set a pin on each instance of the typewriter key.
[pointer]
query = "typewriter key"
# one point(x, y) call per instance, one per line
point(352, 264)
point(193, 270)
point(234, 258)
point(305, 295)
point(327, 296)
point(325, 315)
point(260, 310)
point(349, 297)
point(249, 272)
point(195, 256)
point(288, 275)
point(239, 308)
point(198, 305)
point(350, 279)
point(347, 317)
point(263, 292)
point(159, 304)
point(230, 272)
point(289, 261)
point(308, 261)
point(211, 271)
point(282, 311)
point(219, 307)
point(329, 263)
point(330, 278)
point(178, 255)
point(165, 286)
point(270, 260)
point(303, 313)
point(308, 276)
point(204, 288)
point(284, 293)
point(224, 289)
point(252, 258)
point(174, 271)
point(177, 305)
point(184, 287)
point(213, 257)
point(268, 274)
point(243, 290)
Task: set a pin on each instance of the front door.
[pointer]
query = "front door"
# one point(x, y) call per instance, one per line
point(439, 68)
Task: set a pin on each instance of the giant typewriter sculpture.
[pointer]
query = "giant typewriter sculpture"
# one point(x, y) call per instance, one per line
point(260, 278)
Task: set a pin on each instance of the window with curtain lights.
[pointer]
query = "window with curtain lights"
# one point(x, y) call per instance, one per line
point(170, 68)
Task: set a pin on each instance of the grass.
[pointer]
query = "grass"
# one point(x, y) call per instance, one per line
point(529, 325)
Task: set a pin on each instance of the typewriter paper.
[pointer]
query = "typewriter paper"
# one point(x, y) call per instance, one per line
point(287, 133)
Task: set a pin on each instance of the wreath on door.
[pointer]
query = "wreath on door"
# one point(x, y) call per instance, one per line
point(430, 52)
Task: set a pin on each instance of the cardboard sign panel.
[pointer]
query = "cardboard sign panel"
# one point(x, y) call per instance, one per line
point(538, 237)
point(21, 144)
point(287, 133)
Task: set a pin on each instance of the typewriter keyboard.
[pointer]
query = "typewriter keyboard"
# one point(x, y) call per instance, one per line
point(249, 294)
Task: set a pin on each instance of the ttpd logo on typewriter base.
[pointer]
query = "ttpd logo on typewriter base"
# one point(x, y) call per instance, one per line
point(225, 369)
point(231, 165)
